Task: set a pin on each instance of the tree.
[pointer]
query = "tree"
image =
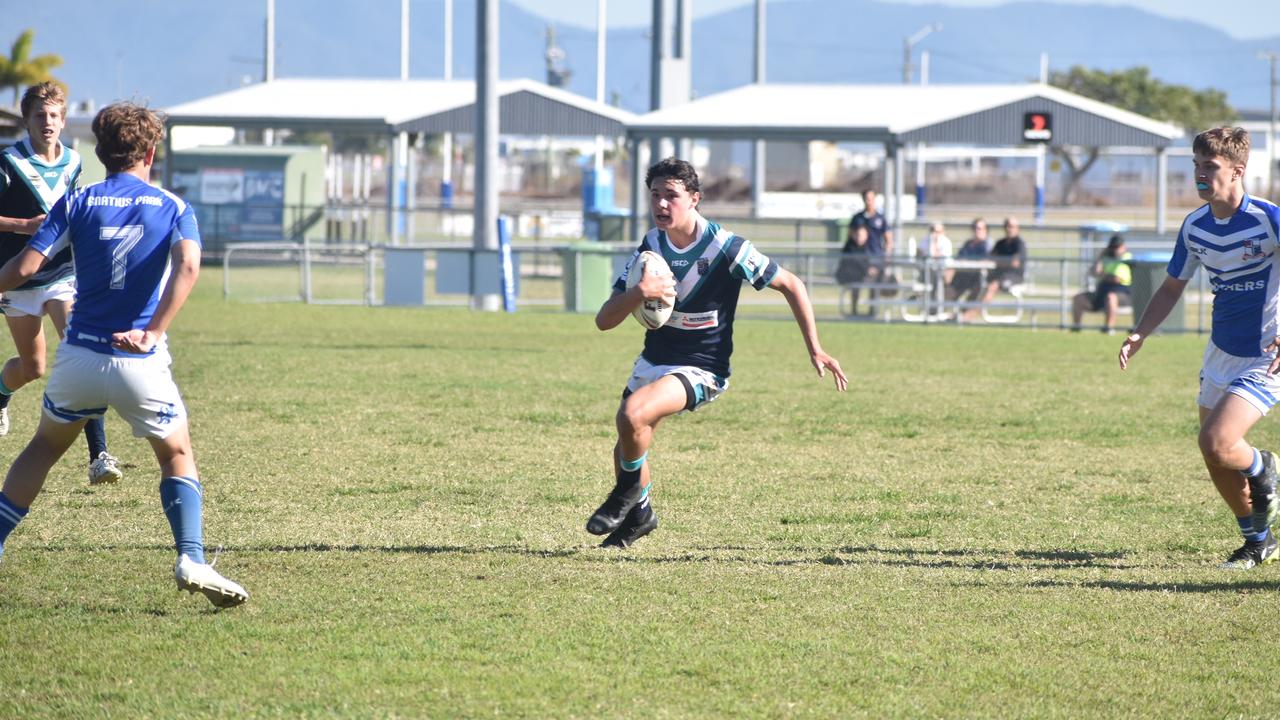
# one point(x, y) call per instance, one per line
point(1135, 90)
point(20, 70)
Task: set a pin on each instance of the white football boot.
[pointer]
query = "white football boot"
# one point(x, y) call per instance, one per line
point(105, 469)
point(194, 576)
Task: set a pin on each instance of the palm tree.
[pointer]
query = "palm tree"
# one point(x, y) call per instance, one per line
point(20, 70)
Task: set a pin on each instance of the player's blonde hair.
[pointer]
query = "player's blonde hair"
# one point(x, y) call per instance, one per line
point(125, 133)
point(48, 93)
point(1229, 143)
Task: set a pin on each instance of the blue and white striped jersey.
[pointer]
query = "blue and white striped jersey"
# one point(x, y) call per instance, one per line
point(120, 232)
point(29, 187)
point(709, 275)
point(1239, 255)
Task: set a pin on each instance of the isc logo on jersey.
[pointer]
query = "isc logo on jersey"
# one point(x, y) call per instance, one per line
point(753, 261)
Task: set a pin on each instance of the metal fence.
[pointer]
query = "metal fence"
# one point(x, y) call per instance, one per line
point(577, 277)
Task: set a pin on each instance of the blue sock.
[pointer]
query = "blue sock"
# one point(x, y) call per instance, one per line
point(180, 498)
point(630, 470)
point(5, 394)
point(1255, 468)
point(96, 435)
point(1246, 529)
point(10, 516)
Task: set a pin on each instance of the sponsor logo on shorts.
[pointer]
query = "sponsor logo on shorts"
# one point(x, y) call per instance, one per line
point(166, 415)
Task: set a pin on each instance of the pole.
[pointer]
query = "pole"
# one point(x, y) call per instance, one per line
point(600, 57)
point(446, 142)
point(758, 157)
point(909, 43)
point(404, 39)
point(485, 229)
point(657, 51)
point(269, 62)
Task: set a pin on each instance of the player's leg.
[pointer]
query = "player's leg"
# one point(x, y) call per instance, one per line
point(182, 498)
point(27, 474)
point(29, 364)
point(638, 414)
point(103, 467)
point(1241, 474)
point(142, 391)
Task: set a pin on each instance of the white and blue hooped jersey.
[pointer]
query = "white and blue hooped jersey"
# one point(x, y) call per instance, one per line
point(709, 275)
point(1239, 255)
point(29, 187)
point(120, 232)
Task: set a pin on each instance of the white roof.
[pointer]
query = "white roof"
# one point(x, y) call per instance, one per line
point(366, 104)
point(876, 113)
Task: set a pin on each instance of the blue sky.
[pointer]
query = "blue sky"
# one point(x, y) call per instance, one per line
point(1246, 19)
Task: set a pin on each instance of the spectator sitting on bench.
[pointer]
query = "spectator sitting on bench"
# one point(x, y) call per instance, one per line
point(966, 285)
point(1010, 256)
point(938, 248)
point(1115, 275)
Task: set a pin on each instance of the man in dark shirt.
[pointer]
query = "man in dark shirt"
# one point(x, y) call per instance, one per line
point(878, 245)
point(1010, 255)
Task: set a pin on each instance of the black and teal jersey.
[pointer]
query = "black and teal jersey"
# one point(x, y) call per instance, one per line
point(29, 187)
point(709, 275)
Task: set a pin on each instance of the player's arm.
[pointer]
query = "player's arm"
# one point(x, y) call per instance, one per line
point(21, 226)
point(793, 289)
point(622, 302)
point(1162, 302)
point(184, 268)
point(20, 268)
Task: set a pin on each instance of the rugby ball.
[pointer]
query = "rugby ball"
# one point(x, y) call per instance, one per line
point(652, 314)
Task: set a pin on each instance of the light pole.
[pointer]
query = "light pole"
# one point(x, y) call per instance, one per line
point(909, 43)
point(1271, 56)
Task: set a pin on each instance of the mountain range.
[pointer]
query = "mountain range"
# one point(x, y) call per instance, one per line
point(166, 52)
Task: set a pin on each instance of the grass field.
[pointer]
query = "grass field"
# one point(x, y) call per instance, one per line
point(990, 523)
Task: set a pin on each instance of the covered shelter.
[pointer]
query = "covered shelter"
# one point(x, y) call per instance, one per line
point(394, 108)
point(897, 116)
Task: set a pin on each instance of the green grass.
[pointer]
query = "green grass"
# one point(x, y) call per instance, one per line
point(990, 523)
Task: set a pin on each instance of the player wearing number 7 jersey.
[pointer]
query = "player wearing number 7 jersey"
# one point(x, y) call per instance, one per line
point(137, 256)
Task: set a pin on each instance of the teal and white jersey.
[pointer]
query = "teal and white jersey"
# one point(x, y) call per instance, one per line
point(29, 187)
point(709, 275)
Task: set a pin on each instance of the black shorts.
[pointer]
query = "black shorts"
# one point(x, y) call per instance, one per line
point(1105, 289)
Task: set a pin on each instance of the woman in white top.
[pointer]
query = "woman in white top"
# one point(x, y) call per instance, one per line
point(937, 245)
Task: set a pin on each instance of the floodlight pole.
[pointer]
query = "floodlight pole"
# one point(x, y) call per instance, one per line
point(908, 44)
point(485, 232)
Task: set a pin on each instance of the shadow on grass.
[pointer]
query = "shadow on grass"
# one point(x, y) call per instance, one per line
point(970, 559)
point(1166, 587)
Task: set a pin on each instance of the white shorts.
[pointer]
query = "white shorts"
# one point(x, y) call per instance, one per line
point(1247, 378)
point(702, 386)
point(85, 383)
point(19, 303)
